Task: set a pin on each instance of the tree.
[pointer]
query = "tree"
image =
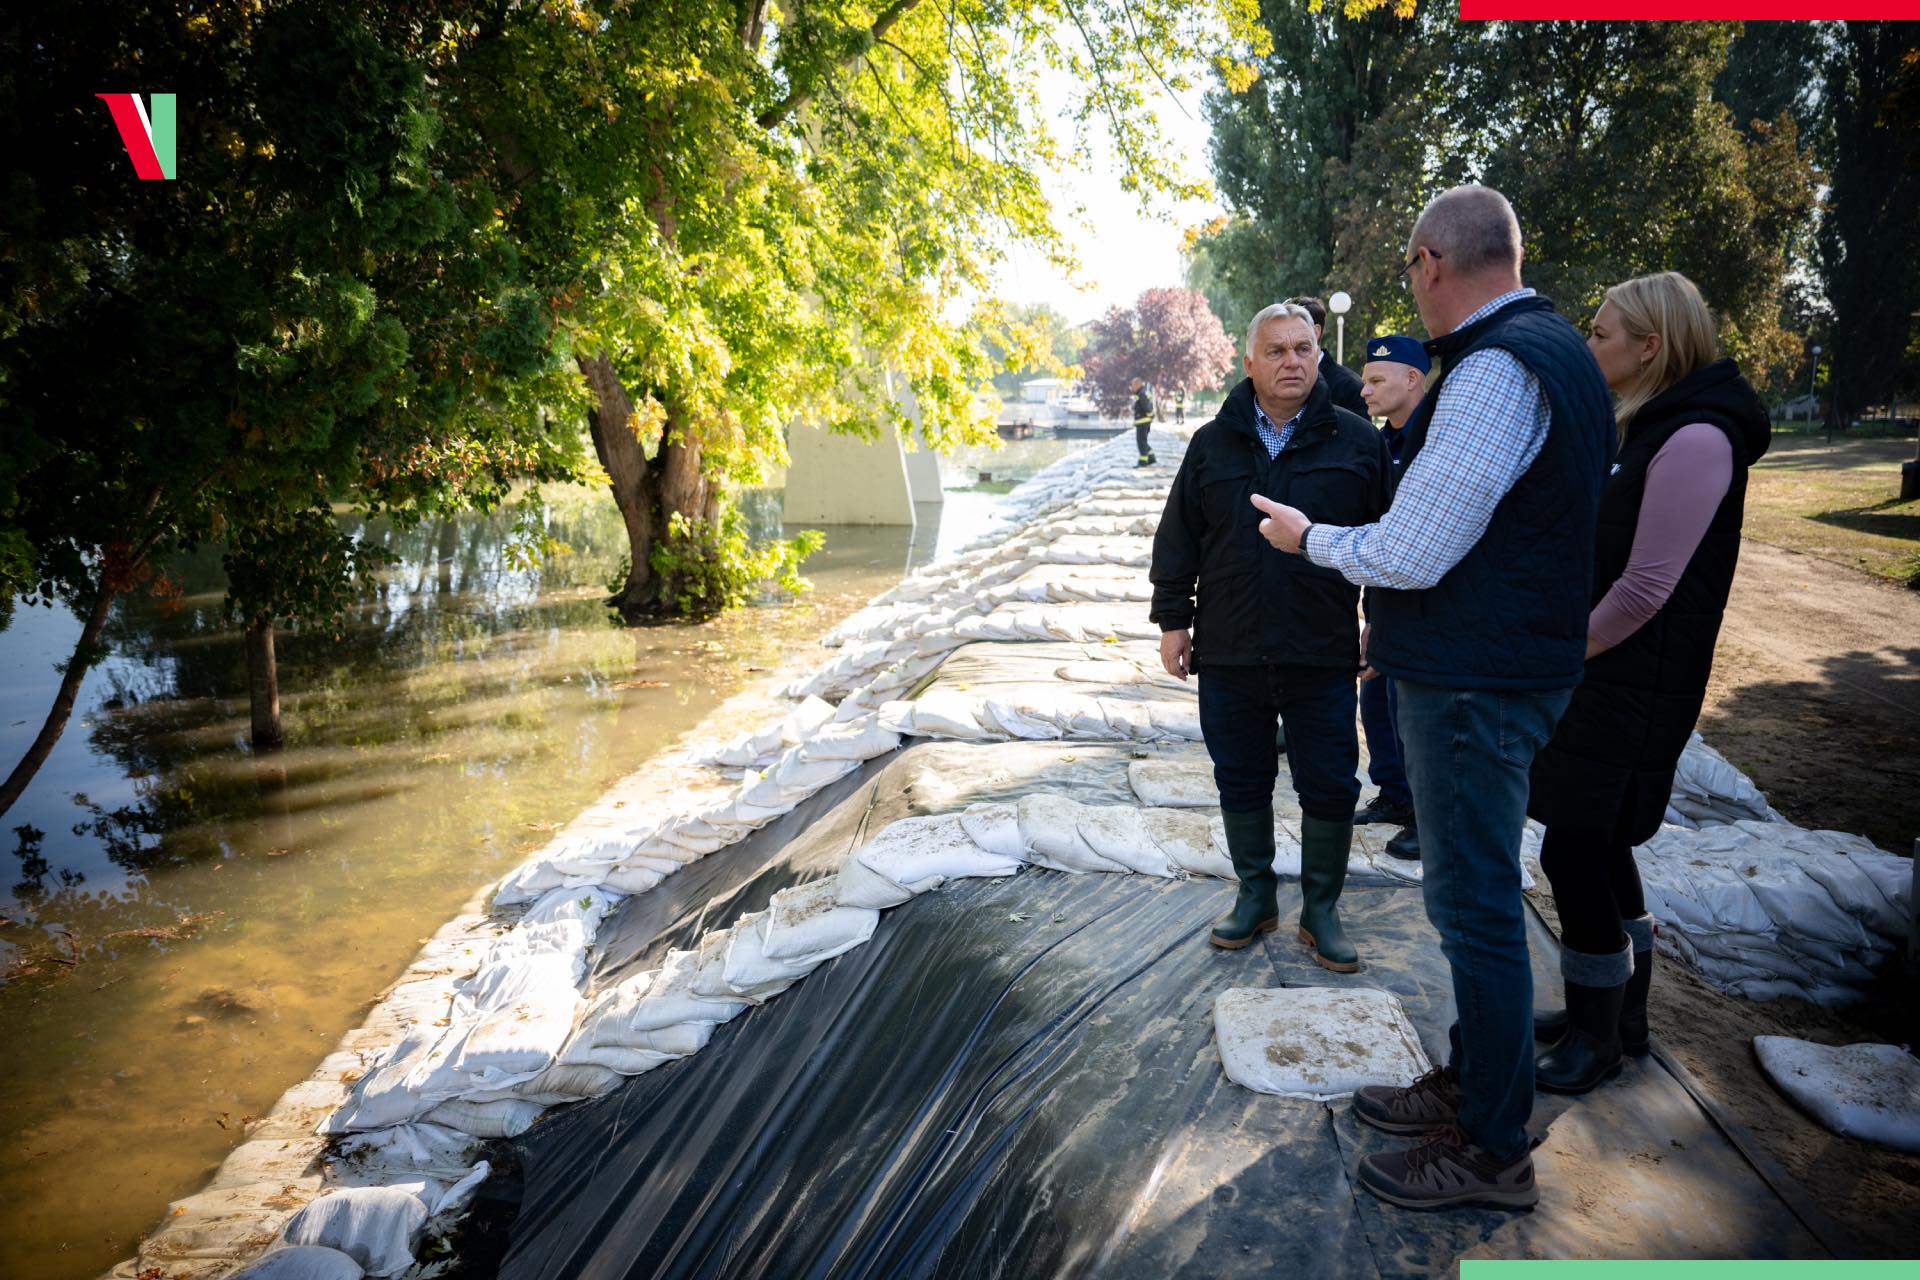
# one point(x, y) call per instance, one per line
point(1279, 147)
point(1169, 338)
point(1870, 235)
point(1618, 160)
point(312, 312)
point(748, 215)
point(1032, 341)
point(1775, 67)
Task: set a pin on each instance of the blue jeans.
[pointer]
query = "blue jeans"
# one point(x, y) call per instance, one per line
point(1468, 752)
point(1379, 716)
point(1240, 711)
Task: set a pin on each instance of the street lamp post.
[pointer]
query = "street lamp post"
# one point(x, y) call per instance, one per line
point(1340, 304)
point(1811, 375)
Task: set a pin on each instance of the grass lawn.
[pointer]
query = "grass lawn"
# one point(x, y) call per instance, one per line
point(1839, 504)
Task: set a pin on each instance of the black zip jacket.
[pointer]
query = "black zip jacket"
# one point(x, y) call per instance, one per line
point(1256, 604)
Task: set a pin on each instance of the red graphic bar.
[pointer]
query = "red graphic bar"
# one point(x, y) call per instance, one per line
point(1687, 10)
point(133, 132)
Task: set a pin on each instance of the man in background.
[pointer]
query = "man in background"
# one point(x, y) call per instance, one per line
point(1339, 379)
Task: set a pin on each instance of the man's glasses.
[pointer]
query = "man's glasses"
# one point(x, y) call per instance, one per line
point(1405, 281)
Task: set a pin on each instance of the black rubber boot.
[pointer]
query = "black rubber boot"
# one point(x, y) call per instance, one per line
point(1256, 907)
point(1405, 844)
point(1635, 1036)
point(1589, 1051)
point(1323, 872)
point(1636, 1040)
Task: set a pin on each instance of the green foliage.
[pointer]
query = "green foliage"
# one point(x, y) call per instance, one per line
point(706, 567)
point(1606, 136)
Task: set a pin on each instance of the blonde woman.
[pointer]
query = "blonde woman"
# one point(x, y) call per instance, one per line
point(1664, 557)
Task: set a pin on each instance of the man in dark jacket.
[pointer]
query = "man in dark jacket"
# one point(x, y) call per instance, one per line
point(1340, 380)
point(1272, 636)
point(1142, 422)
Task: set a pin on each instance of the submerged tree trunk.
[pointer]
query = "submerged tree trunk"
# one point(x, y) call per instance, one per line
point(263, 681)
point(85, 654)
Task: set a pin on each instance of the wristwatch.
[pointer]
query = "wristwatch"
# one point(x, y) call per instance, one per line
point(1302, 548)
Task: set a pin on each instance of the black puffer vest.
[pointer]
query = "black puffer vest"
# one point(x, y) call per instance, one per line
point(1609, 768)
point(1513, 613)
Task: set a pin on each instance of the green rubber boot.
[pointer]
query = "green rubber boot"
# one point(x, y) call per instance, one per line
point(1323, 870)
point(1256, 908)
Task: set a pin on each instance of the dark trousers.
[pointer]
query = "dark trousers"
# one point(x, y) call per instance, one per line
point(1468, 753)
point(1140, 430)
point(1240, 711)
point(1380, 717)
point(1596, 885)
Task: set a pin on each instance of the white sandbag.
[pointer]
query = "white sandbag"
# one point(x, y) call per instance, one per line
point(540, 978)
point(669, 1000)
point(1010, 718)
point(1119, 834)
point(912, 856)
point(561, 1082)
point(1185, 836)
point(861, 739)
point(505, 1118)
point(746, 969)
point(809, 922)
point(383, 1096)
point(504, 1044)
point(995, 827)
point(372, 1225)
point(1050, 827)
point(409, 1150)
point(938, 713)
point(631, 1062)
point(1319, 1043)
point(302, 1262)
point(1867, 1091)
point(1708, 789)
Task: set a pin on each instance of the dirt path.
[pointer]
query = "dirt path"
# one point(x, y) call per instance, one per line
point(1816, 694)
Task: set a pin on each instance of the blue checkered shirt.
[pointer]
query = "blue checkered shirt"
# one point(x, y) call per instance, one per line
point(1487, 428)
point(1275, 438)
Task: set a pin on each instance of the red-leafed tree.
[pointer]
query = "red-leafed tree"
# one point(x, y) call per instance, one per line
point(1169, 338)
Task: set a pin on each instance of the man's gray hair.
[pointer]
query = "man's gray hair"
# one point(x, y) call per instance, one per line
point(1275, 312)
point(1472, 228)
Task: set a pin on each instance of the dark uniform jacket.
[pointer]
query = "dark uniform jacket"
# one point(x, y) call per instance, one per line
point(1609, 767)
point(1344, 384)
point(1257, 604)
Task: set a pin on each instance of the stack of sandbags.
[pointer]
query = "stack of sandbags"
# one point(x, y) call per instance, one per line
point(1766, 909)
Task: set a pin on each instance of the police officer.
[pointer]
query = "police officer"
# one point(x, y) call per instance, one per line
point(1272, 635)
point(1142, 422)
point(1392, 381)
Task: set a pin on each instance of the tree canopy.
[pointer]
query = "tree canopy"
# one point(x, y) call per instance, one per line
point(1607, 137)
point(1168, 338)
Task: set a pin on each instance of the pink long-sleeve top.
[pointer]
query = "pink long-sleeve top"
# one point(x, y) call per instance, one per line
point(1686, 481)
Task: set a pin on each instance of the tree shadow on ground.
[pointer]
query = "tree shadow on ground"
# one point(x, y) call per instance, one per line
point(1835, 753)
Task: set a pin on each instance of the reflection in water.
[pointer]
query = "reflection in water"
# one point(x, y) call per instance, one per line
point(192, 926)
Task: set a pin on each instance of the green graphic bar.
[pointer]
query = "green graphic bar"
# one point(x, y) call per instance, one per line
point(160, 117)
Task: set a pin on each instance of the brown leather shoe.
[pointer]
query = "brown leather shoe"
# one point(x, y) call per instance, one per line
point(1446, 1170)
point(1431, 1102)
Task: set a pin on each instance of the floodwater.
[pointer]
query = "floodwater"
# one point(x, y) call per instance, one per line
point(189, 927)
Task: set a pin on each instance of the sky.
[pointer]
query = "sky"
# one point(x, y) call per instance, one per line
point(1122, 248)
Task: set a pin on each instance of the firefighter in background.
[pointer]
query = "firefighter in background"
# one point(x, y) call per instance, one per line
point(1142, 422)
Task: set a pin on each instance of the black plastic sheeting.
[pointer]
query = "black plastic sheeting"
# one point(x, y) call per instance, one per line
point(1018, 1078)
